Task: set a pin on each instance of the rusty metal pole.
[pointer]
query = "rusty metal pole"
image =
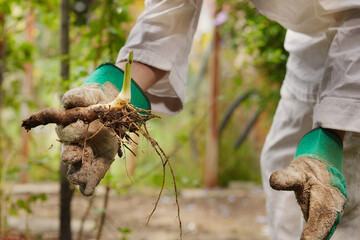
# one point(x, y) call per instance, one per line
point(212, 145)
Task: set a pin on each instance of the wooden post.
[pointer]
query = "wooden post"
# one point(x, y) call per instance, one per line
point(66, 191)
point(212, 144)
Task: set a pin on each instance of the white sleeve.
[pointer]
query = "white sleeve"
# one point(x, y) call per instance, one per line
point(162, 38)
point(338, 104)
point(306, 16)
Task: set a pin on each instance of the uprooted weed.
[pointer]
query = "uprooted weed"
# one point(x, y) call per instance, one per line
point(122, 120)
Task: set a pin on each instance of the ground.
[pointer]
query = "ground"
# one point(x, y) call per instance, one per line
point(235, 213)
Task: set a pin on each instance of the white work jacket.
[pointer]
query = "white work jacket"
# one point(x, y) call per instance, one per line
point(323, 41)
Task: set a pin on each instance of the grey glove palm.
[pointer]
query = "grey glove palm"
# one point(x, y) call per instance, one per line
point(320, 203)
point(88, 160)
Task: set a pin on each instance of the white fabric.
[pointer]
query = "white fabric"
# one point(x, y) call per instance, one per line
point(305, 65)
point(306, 16)
point(325, 68)
point(321, 88)
point(338, 105)
point(163, 34)
point(162, 38)
point(293, 119)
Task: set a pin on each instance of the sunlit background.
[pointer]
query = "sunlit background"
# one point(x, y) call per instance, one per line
point(250, 70)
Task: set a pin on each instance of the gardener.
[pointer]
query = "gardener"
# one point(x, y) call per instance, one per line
point(316, 121)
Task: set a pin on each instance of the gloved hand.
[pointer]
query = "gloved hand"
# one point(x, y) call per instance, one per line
point(315, 175)
point(88, 162)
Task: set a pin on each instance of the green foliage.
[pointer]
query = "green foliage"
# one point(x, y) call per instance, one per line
point(255, 60)
point(25, 204)
point(101, 31)
point(96, 41)
point(96, 36)
point(124, 231)
point(260, 42)
point(239, 164)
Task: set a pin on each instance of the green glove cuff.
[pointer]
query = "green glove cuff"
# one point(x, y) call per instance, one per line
point(323, 145)
point(108, 72)
point(327, 147)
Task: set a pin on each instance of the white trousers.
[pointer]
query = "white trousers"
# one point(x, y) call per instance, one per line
point(292, 120)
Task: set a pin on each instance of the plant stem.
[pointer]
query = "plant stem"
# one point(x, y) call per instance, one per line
point(127, 76)
point(125, 94)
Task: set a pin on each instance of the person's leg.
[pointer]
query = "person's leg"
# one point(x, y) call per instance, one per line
point(293, 119)
point(349, 227)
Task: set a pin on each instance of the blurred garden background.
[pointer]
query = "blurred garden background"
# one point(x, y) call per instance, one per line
point(236, 51)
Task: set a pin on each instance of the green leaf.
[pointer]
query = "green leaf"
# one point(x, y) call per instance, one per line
point(23, 205)
point(5, 8)
point(124, 230)
point(99, 210)
point(13, 210)
point(183, 137)
point(41, 197)
point(12, 171)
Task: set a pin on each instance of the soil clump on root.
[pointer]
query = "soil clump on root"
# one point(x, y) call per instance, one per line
point(121, 119)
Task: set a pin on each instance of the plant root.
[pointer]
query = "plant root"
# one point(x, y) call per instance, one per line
point(64, 117)
point(122, 119)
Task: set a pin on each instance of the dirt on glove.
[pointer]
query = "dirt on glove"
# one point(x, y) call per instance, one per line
point(319, 201)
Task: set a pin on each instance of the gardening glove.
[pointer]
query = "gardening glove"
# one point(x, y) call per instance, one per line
point(89, 160)
point(315, 175)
